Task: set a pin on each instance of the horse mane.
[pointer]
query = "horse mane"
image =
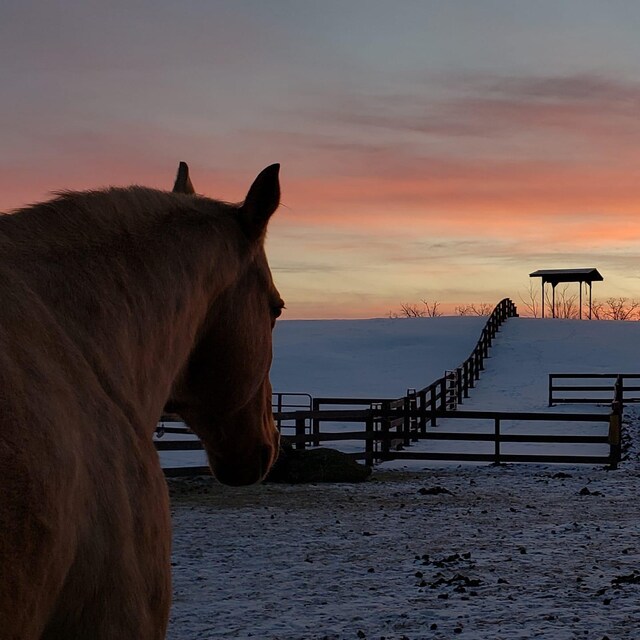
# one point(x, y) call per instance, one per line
point(90, 218)
point(119, 228)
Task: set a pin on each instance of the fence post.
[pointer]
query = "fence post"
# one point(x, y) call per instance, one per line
point(465, 378)
point(443, 393)
point(496, 460)
point(412, 401)
point(368, 443)
point(384, 429)
point(423, 414)
point(459, 384)
point(300, 432)
point(432, 402)
point(406, 421)
point(619, 392)
point(551, 389)
point(279, 411)
point(315, 405)
point(614, 437)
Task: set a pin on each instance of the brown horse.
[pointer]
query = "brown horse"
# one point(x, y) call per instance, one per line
point(112, 302)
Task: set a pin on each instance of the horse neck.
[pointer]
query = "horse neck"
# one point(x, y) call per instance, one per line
point(135, 312)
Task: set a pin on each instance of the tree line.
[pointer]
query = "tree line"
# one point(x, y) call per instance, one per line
point(567, 305)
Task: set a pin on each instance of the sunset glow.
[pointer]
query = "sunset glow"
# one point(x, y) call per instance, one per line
point(429, 150)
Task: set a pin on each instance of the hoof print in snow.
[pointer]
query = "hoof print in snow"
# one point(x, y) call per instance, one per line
point(561, 476)
point(434, 491)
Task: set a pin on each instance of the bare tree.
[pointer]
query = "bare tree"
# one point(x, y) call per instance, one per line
point(530, 301)
point(620, 308)
point(408, 310)
point(481, 309)
point(432, 308)
point(598, 310)
point(566, 305)
point(412, 310)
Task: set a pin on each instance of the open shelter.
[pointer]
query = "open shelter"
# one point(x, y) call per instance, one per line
point(555, 276)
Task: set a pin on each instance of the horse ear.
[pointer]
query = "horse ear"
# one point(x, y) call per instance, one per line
point(261, 202)
point(183, 182)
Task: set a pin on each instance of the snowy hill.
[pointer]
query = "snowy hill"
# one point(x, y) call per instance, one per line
point(385, 357)
point(377, 358)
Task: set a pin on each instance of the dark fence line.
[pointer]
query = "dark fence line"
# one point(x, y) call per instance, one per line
point(455, 384)
point(386, 432)
point(623, 392)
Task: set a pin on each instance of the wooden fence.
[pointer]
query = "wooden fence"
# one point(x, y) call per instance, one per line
point(573, 386)
point(465, 376)
point(385, 432)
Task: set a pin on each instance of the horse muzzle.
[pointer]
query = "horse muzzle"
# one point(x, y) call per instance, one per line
point(242, 468)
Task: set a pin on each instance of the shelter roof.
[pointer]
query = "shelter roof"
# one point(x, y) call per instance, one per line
point(568, 275)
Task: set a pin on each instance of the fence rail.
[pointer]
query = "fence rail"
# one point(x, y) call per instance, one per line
point(378, 439)
point(619, 389)
point(469, 371)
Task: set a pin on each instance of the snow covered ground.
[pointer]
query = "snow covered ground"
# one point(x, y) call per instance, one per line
point(478, 552)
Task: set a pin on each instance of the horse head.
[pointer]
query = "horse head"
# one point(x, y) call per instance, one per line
point(224, 392)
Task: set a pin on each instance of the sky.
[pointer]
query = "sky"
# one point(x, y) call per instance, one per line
point(429, 149)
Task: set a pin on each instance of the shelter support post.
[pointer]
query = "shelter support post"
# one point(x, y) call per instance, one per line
point(580, 301)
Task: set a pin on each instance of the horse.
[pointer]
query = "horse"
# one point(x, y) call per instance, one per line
point(114, 301)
